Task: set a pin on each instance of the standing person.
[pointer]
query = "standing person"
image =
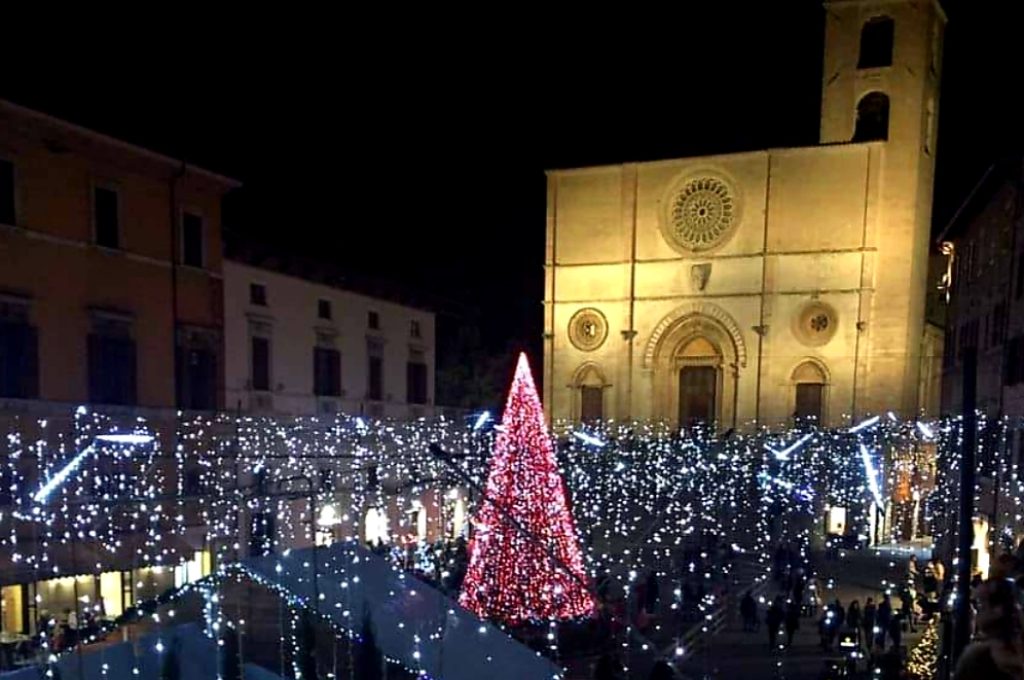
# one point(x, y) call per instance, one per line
point(839, 613)
point(853, 617)
point(997, 652)
point(940, 571)
point(868, 621)
point(896, 631)
point(799, 586)
point(792, 621)
point(651, 592)
point(608, 667)
point(883, 619)
point(912, 571)
point(748, 610)
point(772, 620)
point(907, 607)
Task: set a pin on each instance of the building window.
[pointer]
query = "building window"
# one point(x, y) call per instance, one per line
point(326, 372)
point(373, 321)
point(591, 404)
point(1020, 277)
point(414, 329)
point(375, 379)
point(876, 38)
point(7, 215)
point(1015, 361)
point(106, 217)
point(112, 366)
point(258, 294)
point(260, 364)
point(872, 118)
point(192, 239)
point(416, 381)
point(323, 309)
point(929, 130)
point(19, 369)
point(197, 370)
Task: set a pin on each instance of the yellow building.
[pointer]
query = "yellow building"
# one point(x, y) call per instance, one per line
point(755, 287)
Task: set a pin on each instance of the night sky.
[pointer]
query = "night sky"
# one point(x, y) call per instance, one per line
point(416, 155)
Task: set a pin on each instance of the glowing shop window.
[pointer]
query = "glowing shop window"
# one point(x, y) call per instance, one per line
point(194, 569)
point(111, 593)
point(13, 606)
point(458, 526)
point(836, 520)
point(979, 547)
point(375, 527)
point(418, 520)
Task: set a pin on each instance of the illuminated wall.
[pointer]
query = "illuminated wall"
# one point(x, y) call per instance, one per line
point(782, 263)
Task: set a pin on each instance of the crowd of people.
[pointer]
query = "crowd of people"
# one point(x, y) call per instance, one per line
point(442, 563)
point(874, 630)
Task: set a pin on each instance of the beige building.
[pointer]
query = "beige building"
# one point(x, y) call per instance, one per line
point(303, 347)
point(755, 287)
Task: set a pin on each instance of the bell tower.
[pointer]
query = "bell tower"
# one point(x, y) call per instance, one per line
point(883, 61)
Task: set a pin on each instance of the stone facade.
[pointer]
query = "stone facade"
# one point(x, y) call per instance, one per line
point(750, 287)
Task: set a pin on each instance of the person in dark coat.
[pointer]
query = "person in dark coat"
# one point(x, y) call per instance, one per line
point(609, 667)
point(868, 621)
point(748, 611)
point(662, 671)
point(853, 617)
point(773, 620)
point(792, 621)
point(883, 619)
point(839, 613)
point(896, 631)
point(651, 592)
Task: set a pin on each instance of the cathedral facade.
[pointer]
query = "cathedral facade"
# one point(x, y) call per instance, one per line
point(759, 287)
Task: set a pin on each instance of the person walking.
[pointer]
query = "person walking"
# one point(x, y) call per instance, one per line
point(792, 621)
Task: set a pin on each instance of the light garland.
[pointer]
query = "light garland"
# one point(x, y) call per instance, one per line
point(641, 495)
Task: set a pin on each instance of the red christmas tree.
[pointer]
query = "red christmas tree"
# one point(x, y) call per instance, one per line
point(524, 558)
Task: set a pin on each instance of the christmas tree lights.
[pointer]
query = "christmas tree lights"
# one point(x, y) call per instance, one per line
point(525, 563)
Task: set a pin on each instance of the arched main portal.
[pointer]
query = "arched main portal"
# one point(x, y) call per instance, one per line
point(700, 371)
point(695, 354)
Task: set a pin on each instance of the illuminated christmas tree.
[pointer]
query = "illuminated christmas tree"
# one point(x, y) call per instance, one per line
point(524, 559)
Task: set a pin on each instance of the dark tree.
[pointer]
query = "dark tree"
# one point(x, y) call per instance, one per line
point(369, 662)
point(306, 633)
point(230, 655)
point(171, 669)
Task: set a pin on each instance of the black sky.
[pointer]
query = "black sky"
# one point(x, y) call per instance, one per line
point(416, 153)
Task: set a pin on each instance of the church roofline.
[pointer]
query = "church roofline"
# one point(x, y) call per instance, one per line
point(709, 157)
point(938, 6)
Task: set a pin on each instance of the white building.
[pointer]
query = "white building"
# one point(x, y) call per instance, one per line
point(298, 347)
